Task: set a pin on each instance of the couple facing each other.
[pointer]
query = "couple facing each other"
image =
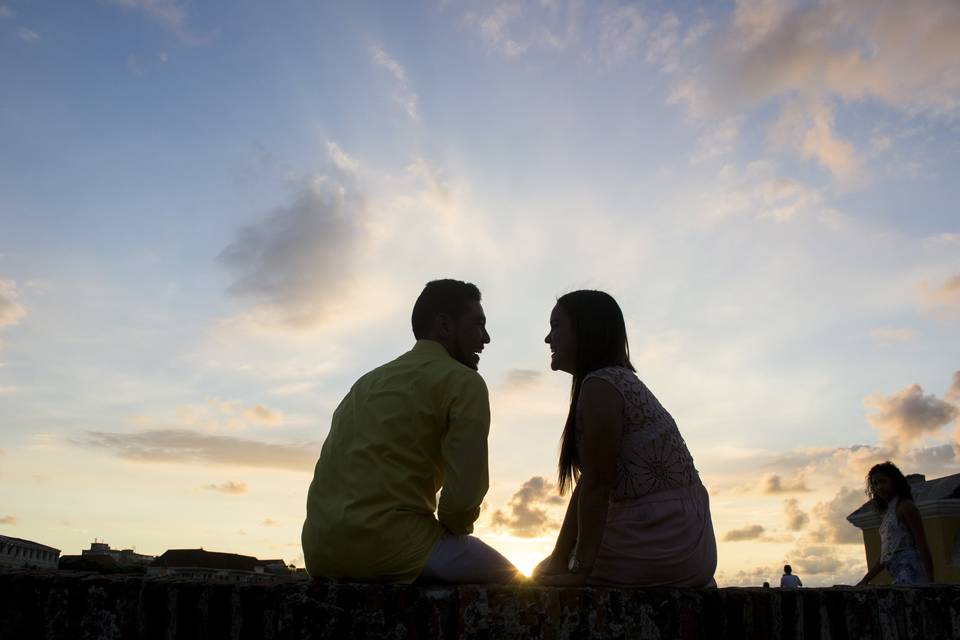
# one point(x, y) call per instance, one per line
point(418, 426)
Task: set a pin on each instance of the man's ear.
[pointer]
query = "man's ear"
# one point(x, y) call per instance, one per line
point(443, 325)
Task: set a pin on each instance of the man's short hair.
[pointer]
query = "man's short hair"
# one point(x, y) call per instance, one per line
point(446, 296)
point(787, 568)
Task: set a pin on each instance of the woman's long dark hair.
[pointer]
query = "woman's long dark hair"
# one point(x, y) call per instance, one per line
point(601, 337)
point(900, 484)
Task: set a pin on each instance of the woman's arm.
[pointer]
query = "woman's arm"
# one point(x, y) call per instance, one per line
point(556, 562)
point(601, 409)
point(910, 515)
point(871, 574)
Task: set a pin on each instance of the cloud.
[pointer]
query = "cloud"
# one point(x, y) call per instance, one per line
point(796, 518)
point(191, 447)
point(405, 96)
point(520, 378)
point(230, 488)
point(945, 297)
point(11, 520)
point(264, 415)
point(893, 334)
point(953, 393)
point(528, 518)
point(297, 261)
point(809, 129)
point(623, 33)
point(908, 415)
point(168, 13)
point(900, 53)
point(832, 524)
point(758, 190)
point(11, 312)
point(268, 522)
point(6, 12)
point(808, 58)
point(218, 415)
point(820, 559)
point(27, 35)
point(718, 141)
point(772, 483)
point(750, 532)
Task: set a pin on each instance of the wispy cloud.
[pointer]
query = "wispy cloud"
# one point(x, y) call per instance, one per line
point(528, 516)
point(230, 488)
point(893, 334)
point(269, 522)
point(27, 35)
point(758, 190)
point(221, 415)
point(405, 95)
point(810, 130)
point(264, 415)
point(171, 14)
point(11, 311)
point(6, 12)
point(944, 297)
point(10, 520)
point(191, 447)
point(750, 532)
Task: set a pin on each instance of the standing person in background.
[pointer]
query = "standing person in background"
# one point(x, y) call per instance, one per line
point(903, 542)
point(788, 580)
point(407, 430)
point(639, 515)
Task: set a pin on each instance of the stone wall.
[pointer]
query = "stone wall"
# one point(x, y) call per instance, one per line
point(93, 607)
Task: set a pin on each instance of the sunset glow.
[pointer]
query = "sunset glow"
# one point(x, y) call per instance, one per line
point(214, 217)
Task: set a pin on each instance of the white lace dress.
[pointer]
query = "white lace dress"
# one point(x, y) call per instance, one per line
point(658, 530)
point(898, 552)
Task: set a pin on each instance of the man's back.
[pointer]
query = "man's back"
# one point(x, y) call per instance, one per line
point(404, 430)
point(789, 580)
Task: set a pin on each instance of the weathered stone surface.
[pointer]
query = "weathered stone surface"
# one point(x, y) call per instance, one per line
point(48, 605)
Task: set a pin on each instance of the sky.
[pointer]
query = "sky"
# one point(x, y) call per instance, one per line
point(215, 216)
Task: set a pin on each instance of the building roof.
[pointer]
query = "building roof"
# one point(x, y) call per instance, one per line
point(199, 558)
point(29, 543)
point(936, 497)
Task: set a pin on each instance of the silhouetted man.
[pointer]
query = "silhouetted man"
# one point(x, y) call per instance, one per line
point(406, 430)
point(788, 579)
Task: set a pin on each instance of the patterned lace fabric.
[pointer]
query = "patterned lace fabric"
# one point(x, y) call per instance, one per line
point(894, 535)
point(653, 456)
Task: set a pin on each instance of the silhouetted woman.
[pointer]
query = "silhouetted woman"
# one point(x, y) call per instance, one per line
point(639, 515)
point(904, 552)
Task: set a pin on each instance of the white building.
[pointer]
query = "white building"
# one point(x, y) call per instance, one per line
point(122, 557)
point(24, 554)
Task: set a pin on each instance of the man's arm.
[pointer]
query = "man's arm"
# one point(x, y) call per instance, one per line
point(464, 448)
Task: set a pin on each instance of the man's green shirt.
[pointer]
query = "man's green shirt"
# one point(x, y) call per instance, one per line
point(404, 430)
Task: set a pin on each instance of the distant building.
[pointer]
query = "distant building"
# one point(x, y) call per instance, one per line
point(938, 501)
point(25, 554)
point(122, 557)
point(214, 566)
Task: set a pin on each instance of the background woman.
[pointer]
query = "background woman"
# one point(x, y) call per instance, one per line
point(903, 543)
point(639, 515)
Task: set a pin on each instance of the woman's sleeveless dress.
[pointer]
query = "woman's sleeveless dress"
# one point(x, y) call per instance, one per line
point(658, 530)
point(898, 552)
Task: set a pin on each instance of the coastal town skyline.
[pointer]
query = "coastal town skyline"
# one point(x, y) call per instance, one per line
point(215, 217)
